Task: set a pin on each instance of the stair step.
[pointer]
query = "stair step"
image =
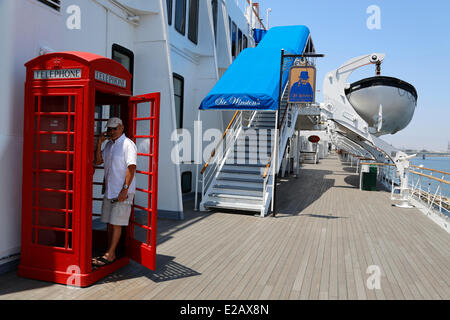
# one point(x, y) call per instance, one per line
point(234, 200)
point(255, 137)
point(233, 206)
point(247, 162)
point(246, 177)
point(229, 183)
point(226, 195)
point(265, 119)
point(243, 191)
point(256, 169)
point(253, 140)
point(240, 147)
point(256, 148)
point(261, 126)
point(252, 166)
point(239, 179)
point(257, 124)
point(265, 116)
point(256, 131)
point(245, 172)
point(258, 119)
point(251, 156)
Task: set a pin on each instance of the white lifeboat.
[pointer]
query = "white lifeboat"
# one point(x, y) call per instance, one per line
point(387, 104)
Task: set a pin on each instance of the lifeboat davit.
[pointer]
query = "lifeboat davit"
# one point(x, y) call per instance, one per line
point(387, 104)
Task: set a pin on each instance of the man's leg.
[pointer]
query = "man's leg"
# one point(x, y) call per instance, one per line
point(110, 231)
point(116, 232)
point(120, 215)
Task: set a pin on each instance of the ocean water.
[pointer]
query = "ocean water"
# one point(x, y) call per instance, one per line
point(437, 163)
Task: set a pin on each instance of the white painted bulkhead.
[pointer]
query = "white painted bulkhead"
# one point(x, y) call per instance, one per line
point(159, 51)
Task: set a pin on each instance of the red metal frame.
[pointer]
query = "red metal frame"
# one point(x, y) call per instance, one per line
point(57, 194)
point(145, 252)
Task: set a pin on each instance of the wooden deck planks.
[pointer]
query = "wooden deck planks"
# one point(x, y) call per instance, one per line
point(327, 233)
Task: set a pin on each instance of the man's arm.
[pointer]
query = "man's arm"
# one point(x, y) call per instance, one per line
point(131, 170)
point(98, 151)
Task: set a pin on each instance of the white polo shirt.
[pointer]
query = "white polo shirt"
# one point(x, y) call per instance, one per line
point(117, 156)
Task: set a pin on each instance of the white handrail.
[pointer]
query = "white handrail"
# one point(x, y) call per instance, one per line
point(278, 148)
point(215, 163)
point(421, 190)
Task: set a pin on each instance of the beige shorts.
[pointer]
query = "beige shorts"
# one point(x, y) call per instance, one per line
point(117, 213)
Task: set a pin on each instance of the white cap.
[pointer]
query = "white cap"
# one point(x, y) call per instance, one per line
point(113, 122)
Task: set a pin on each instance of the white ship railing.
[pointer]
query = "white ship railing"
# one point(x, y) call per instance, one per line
point(287, 127)
point(428, 189)
point(218, 156)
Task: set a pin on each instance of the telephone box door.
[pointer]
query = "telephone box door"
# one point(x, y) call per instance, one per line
point(144, 122)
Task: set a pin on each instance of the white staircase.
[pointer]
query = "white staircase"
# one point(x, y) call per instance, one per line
point(242, 178)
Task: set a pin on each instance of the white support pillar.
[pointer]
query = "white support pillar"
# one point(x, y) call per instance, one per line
point(296, 151)
point(198, 155)
point(275, 160)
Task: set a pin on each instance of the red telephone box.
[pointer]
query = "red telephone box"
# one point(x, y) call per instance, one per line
point(69, 96)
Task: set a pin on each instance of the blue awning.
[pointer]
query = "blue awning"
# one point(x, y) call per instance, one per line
point(252, 80)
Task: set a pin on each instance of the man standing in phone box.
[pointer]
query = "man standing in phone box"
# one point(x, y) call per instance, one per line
point(119, 158)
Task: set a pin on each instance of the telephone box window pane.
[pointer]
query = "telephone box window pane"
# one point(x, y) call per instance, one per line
point(69, 240)
point(144, 110)
point(36, 104)
point(72, 104)
point(143, 181)
point(53, 161)
point(53, 123)
point(51, 200)
point(55, 142)
point(99, 127)
point(180, 16)
point(142, 164)
point(69, 220)
point(53, 180)
point(52, 238)
point(145, 146)
point(140, 216)
point(54, 104)
point(143, 128)
point(141, 234)
point(52, 219)
point(98, 175)
point(193, 21)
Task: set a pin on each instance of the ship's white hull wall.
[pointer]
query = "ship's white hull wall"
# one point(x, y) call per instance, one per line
point(33, 29)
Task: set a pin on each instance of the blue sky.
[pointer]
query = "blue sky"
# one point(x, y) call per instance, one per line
point(415, 35)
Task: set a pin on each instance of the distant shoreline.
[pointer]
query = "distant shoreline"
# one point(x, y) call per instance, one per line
point(435, 156)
